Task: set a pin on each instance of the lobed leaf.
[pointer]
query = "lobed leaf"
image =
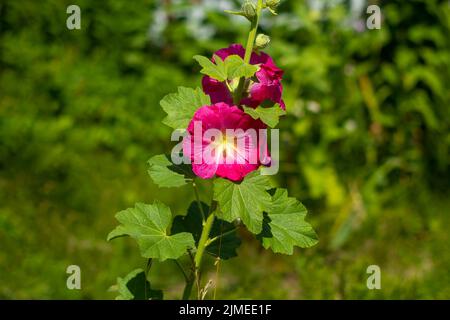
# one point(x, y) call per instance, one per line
point(166, 174)
point(216, 70)
point(233, 67)
point(237, 67)
point(246, 200)
point(148, 225)
point(135, 286)
point(181, 106)
point(269, 116)
point(285, 225)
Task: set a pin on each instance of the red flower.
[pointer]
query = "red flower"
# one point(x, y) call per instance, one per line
point(222, 140)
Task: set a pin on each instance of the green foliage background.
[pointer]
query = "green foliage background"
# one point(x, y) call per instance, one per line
point(365, 144)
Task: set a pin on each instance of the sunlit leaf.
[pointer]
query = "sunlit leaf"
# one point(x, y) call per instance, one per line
point(215, 70)
point(166, 174)
point(285, 225)
point(237, 68)
point(180, 107)
point(246, 200)
point(269, 116)
point(148, 225)
point(233, 67)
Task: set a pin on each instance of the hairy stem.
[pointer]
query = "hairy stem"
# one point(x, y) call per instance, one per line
point(249, 50)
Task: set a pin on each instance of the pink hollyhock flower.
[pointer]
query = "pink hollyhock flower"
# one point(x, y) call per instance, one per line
point(267, 87)
point(222, 140)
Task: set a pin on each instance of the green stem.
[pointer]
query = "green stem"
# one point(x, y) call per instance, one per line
point(147, 270)
point(188, 288)
point(203, 241)
point(249, 50)
point(197, 197)
point(190, 279)
point(197, 259)
point(148, 266)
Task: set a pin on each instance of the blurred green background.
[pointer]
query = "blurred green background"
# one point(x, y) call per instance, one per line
point(365, 145)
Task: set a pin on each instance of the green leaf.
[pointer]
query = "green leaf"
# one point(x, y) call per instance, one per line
point(148, 225)
point(180, 107)
point(269, 116)
point(224, 247)
point(245, 200)
point(237, 67)
point(135, 286)
point(215, 70)
point(233, 67)
point(285, 225)
point(166, 174)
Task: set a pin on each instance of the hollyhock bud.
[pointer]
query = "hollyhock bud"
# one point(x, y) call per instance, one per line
point(273, 4)
point(262, 41)
point(249, 10)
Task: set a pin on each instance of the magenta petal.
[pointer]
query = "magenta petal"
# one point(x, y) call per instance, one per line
point(232, 158)
point(217, 90)
point(236, 49)
point(204, 170)
point(268, 74)
point(235, 172)
point(260, 92)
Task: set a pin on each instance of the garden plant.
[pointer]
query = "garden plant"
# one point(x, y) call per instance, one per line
point(224, 128)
